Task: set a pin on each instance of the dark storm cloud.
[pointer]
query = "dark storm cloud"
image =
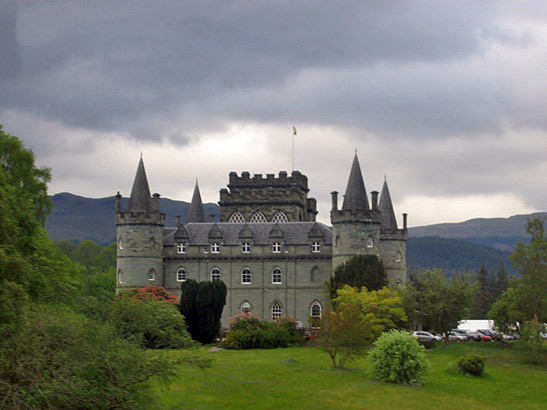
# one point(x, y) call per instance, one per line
point(10, 62)
point(149, 67)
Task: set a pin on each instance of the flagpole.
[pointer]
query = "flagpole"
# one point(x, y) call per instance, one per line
point(293, 135)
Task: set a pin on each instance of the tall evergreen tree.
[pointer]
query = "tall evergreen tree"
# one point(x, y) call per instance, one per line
point(484, 295)
point(502, 280)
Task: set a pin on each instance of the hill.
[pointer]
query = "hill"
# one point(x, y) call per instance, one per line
point(499, 233)
point(78, 218)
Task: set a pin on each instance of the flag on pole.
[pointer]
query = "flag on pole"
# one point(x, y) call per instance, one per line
point(294, 130)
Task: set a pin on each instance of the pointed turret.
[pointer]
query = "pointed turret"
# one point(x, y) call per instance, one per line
point(140, 194)
point(355, 199)
point(196, 212)
point(389, 222)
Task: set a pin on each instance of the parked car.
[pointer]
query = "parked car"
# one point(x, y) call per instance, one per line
point(457, 337)
point(488, 332)
point(438, 337)
point(462, 333)
point(485, 338)
point(476, 336)
point(424, 337)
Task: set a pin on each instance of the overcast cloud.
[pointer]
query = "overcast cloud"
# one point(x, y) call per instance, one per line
point(445, 98)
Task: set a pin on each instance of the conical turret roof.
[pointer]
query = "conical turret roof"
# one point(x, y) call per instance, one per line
point(389, 222)
point(196, 212)
point(139, 201)
point(355, 198)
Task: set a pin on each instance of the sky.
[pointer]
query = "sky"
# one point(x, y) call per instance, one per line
point(447, 100)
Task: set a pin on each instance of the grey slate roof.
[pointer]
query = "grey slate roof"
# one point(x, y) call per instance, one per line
point(139, 201)
point(196, 212)
point(295, 233)
point(355, 198)
point(389, 222)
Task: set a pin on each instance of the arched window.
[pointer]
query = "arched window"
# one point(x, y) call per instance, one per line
point(215, 274)
point(120, 276)
point(399, 282)
point(277, 310)
point(315, 314)
point(315, 274)
point(258, 217)
point(120, 243)
point(181, 275)
point(280, 216)
point(151, 275)
point(277, 277)
point(370, 242)
point(236, 217)
point(246, 307)
point(246, 276)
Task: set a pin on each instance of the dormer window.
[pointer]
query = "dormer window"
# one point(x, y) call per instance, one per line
point(181, 248)
point(246, 247)
point(316, 247)
point(276, 247)
point(215, 248)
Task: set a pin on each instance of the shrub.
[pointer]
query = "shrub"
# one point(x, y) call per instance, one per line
point(398, 358)
point(244, 321)
point(471, 363)
point(151, 292)
point(247, 331)
point(530, 345)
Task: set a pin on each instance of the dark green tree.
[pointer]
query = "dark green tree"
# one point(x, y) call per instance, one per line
point(501, 282)
point(484, 294)
point(202, 303)
point(359, 271)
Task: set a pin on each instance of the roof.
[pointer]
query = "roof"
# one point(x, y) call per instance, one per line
point(196, 212)
point(295, 233)
point(139, 201)
point(389, 222)
point(355, 198)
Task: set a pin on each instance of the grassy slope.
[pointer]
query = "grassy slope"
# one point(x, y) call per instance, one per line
point(300, 378)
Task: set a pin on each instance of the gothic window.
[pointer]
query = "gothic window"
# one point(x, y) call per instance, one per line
point(236, 217)
point(258, 217)
point(316, 247)
point(370, 242)
point(315, 274)
point(276, 247)
point(280, 216)
point(276, 276)
point(399, 257)
point(277, 310)
point(315, 314)
point(215, 274)
point(215, 248)
point(246, 247)
point(246, 276)
point(151, 275)
point(120, 276)
point(181, 275)
point(399, 282)
point(120, 243)
point(181, 248)
point(246, 307)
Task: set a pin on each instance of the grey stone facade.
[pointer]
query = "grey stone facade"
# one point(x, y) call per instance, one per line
point(268, 249)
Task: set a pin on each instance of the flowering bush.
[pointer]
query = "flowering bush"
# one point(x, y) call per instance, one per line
point(247, 331)
point(244, 321)
point(151, 292)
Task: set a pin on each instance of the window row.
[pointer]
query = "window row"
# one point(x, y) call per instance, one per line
point(276, 311)
point(276, 247)
point(246, 275)
point(258, 217)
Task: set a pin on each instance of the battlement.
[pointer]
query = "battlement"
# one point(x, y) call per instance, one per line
point(270, 180)
point(372, 216)
point(140, 218)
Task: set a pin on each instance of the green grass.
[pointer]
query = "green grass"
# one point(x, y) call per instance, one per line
point(302, 378)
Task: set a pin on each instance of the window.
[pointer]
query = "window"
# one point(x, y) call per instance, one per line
point(151, 275)
point(120, 243)
point(205, 249)
point(370, 242)
point(399, 282)
point(215, 274)
point(315, 313)
point(246, 307)
point(181, 275)
point(277, 310)
point(258, 217)
point(315, 274)
point(399, 257)
point(276, 247)
point(276, 276)
point(316, 247)
point(181, 248)
point(120, 276)
point(246, 247)
point(215, 248)
point(280, 216)
point(246, 276)
point(236, 217)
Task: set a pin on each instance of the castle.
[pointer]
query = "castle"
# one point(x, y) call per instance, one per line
point(267, 248)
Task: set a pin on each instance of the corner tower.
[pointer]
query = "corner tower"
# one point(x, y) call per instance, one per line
point(356, 227)
point(140, 236)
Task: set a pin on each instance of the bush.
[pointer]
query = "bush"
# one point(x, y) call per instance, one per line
point(247, 331)
point(471, 363)
point(397, 357)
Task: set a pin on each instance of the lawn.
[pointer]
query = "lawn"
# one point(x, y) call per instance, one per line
point(302, 378)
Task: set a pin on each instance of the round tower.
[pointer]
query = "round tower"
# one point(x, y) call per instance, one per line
point(139, 236)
